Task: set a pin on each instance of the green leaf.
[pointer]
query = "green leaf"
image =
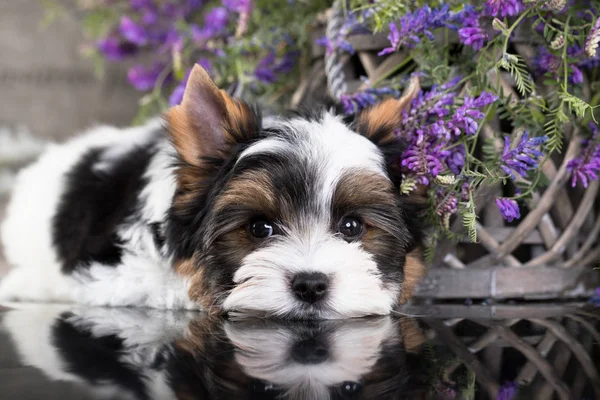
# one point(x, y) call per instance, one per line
point(517, 68)
point(469, 217)
point(553, 128)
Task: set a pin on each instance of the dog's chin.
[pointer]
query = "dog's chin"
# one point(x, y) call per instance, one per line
point(299, 312)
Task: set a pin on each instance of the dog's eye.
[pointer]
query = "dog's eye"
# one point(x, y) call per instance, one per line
point(351, 227)
point(350, 388)
point(261, 229)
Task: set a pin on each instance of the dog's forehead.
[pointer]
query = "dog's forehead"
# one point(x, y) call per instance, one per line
point(327, 144)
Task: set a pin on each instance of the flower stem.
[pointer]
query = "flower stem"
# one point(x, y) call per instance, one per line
point(393, 70)
point(512, 28)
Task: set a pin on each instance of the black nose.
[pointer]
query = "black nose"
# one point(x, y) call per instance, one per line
point(310, 286)
point(310, 351)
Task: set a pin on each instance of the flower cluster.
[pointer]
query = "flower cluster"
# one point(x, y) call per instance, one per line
point(471, 32)
point(254, 42)
point(415, 25)
point(508, 391)
point(523, 157)
point(355, 102)
point(434, 133)
point(586, 167)
point(465, 53)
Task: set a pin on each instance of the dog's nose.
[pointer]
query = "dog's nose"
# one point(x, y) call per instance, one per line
point(310, 351)
point(310, 286)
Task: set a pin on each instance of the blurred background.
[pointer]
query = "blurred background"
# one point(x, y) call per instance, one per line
point(48, 90)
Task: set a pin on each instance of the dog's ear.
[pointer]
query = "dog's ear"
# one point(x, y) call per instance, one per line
point(378, 123)
point(208, 123)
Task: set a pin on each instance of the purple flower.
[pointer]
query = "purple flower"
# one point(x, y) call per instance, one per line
point(144, 78)
point(576, 76)
point(412, 25)
point(595, 299)
point(424, 158)
point(447, 203)
point(586, 167)
point(465, 116)
point(546, 61)
point(394, 38)
point(472, 36)
point(523, 157)
point(133, 32)
point(149, 17)
point(355, 102)
point(456, 159)
point(264, 71)
point(215, 23)
point(238, 6)
point(138, 5)
point(469, 29)
point(268, 69)
point(504, 8)
point(508, 391)
point(115, 49)
point(510, 211)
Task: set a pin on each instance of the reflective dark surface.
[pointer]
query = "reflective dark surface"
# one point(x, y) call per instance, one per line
point(441, 352)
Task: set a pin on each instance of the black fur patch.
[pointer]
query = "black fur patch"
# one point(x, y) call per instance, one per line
point(94, 204)
point(97, 360)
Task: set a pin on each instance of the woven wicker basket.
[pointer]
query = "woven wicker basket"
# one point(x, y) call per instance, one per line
point(549, 350)
point(549, 253)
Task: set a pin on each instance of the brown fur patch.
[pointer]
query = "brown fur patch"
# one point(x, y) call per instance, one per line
point(253, 189)
point(414, 270)
point(379, 122)
point(196, 292)
point(204, 128)
point(360, 189)
point(412, 335)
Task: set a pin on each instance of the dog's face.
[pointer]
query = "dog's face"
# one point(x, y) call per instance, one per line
point(366, 358)
point(297, 217)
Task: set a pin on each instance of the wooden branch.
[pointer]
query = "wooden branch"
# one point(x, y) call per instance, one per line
point(578, 350)
point(492, 246)
point(588, 326)
point(591, 239)
point(560, 362)
point(489, 337)
point(529, 370)
point(370, 62)
point(572, 230)
point(536, 358)
point(545, 203)
point(591, 258)
point(366, 42)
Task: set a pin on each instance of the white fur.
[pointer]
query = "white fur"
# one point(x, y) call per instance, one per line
point(144, 332)
point(353, 349)
point(144, 278)
point(355, 288)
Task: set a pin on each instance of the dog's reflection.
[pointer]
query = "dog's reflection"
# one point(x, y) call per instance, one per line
point(152, 354)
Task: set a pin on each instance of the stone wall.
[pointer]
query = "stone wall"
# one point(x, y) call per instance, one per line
point(47, 86)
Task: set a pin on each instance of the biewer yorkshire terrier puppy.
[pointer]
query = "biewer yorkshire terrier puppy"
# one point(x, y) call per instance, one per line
point(221, 210)
point(143, 354)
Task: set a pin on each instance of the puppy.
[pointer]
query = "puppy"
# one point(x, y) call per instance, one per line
point(221, 210)
point(124, 353)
